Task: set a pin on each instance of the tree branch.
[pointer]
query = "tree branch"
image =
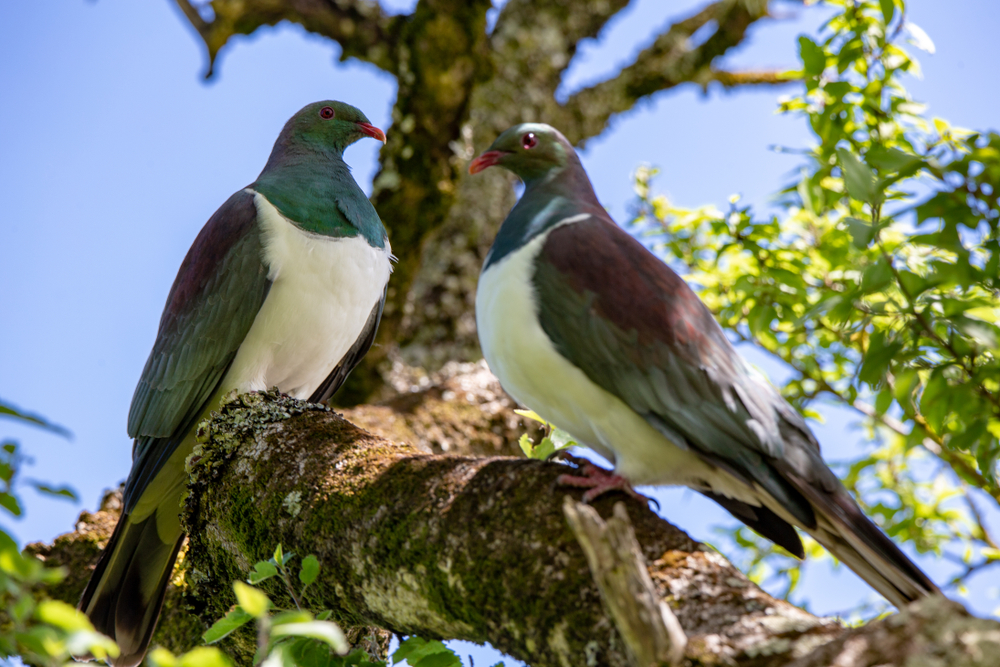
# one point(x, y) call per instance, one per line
point(671, 60)
point(361, 28)
point(476, 549)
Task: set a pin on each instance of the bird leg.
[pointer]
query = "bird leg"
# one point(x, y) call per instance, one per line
point(597, 480)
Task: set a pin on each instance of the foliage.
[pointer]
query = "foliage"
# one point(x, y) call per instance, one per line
point(877, 285)
point(41, 632)
point(554, 441)
point(294, 637)
point(285, 637)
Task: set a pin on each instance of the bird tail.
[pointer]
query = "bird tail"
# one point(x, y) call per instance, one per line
point(849, 535)
point(126, 591)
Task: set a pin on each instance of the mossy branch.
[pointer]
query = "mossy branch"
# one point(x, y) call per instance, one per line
point(475, 549)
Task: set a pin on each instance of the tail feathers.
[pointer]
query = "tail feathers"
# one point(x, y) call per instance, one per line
point(126, 591)
point(849, 535)
point(763, 521)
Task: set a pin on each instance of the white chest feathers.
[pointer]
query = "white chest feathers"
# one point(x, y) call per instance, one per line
point(530, 369)
point(323, 290)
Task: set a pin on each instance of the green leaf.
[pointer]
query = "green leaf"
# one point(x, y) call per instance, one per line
point(891, 159)
point(204, 656)
point(438, 660)
point(862, 233)
point(983, 333)
point(262, 570)
point(63, 616)
point(544, 450)
point(54, 491)
point(10, 503)
point(236, 618)
point(888, 8)
point(310, 570)
point(530, 414)
point(526, 445)
point(9, 411)
point(324, 631)
point(877, 358)
point(161, 657)
point(812, 55)
point(253, 601)
point(406, 648)
point(876, 276)
point(858, 177)
point(291, 616)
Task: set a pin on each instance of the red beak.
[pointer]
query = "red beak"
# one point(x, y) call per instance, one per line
point(487, 159)
point(372, 131)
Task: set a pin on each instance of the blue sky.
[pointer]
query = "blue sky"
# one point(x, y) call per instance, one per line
point(116, 152)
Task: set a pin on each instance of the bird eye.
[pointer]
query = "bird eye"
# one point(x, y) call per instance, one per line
point(326, 113)
point(529, 140)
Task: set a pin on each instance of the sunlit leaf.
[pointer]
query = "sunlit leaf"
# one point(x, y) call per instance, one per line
point(324, 631)
point(255, 602)
point(225, 625)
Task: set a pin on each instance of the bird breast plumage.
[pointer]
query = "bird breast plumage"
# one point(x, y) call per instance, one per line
point(323, 290)
point(529, 367)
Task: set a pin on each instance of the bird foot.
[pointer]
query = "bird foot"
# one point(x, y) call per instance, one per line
point(597, 480)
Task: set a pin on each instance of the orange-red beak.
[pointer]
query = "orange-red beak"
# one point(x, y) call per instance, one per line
point(372, 131)
point(487, 159)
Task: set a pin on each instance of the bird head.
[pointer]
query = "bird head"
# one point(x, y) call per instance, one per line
point(327, 125)
point(530, 150)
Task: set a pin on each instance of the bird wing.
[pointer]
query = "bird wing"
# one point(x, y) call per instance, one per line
point(219, 288)
point(636, 329)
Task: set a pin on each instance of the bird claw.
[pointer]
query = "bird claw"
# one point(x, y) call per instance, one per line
point(597, 480)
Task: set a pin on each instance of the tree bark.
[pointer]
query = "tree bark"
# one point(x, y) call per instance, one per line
point(458, 87)
point(449, 546)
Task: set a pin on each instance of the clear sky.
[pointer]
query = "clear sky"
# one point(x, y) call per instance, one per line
point(115, 153)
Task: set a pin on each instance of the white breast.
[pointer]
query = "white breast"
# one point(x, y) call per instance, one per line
point(323, 290)
point(529, 367)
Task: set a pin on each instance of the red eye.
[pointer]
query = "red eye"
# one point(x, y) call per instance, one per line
point(326, 113)
point(529, 140)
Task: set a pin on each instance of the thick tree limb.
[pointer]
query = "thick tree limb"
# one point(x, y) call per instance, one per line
point(361, 28)
point(478, 549)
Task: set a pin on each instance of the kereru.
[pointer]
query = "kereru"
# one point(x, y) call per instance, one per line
point(284, 286)
point(590, 330)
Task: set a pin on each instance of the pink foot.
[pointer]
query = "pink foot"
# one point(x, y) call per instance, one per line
point(598, 480)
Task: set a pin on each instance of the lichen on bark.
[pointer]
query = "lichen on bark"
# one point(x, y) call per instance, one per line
point(459, 547)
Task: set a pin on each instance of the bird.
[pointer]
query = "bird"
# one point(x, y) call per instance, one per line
point(283, 287)
point(590, 330)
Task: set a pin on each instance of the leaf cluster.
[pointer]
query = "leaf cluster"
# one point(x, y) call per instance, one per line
point(877, 285)
point(38, 630)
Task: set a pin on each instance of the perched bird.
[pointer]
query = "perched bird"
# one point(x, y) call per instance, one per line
point(590, 330)
point(284, 286)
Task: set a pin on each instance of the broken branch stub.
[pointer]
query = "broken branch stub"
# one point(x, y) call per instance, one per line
point(650, 630)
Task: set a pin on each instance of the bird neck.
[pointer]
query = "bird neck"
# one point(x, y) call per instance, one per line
point(548, 200)
point(314, 189)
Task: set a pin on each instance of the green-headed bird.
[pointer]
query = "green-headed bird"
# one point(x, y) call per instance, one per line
point(585, 326)
point(284, 286)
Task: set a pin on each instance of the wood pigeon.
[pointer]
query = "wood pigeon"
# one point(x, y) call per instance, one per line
point(585, 326)
point(284, 286)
